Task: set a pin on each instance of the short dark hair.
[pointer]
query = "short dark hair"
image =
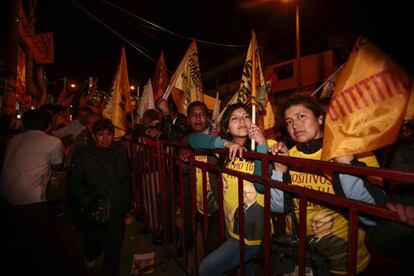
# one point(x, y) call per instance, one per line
point(195, 104)
point(172, 106)
point(37, 120)
point(103, 124)
point(304, 100)
point(151, 114)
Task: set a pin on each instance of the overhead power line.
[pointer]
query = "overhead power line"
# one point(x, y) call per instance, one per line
point(133, 44)
point(171, 32)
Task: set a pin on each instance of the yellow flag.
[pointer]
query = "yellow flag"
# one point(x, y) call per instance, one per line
point(209, 101)
point(119, 101)
point(369, 103)
point(253, 88)
point(160, 81)
point(185, 84)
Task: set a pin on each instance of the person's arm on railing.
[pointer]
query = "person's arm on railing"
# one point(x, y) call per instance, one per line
point(204, 141)
point(404, 212)
point(258, 167)
point(356, 187)
point(279, 201)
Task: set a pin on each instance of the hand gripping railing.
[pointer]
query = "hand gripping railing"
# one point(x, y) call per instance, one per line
point(162, 158)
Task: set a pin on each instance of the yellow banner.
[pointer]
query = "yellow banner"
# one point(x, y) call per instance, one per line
point(253, 88)
point(369, 103)
point(186, 85)
point(119, 101)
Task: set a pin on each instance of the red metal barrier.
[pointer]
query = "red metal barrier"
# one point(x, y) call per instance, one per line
point(157, 159)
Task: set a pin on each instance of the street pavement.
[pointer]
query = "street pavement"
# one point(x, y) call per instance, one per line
point(137, 240)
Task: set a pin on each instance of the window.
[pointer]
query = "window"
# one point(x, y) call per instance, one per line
point(284, 71)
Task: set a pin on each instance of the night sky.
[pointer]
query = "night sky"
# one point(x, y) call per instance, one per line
point(84, 47)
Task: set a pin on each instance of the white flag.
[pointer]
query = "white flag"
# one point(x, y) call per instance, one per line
point(147, 99)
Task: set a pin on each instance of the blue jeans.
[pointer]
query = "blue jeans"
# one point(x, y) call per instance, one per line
point(226, 257)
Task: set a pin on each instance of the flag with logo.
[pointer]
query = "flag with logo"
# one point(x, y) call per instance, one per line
point(253, 87)
point(372, 97)
point(160, 81)
point(119, 102)
point(147, 100)
point(185, 85)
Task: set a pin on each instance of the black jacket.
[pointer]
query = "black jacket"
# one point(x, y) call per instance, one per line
point(99, 173)
point(176, 131)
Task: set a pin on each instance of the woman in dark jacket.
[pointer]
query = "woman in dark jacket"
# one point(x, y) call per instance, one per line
point(99, 186)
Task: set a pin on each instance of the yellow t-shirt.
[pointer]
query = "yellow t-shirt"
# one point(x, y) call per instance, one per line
point(231, 193)
point(199, 182)
point(333, 242)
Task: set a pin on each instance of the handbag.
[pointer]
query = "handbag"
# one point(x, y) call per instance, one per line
point(101, 213)
point(104, 207)
point(285, 255)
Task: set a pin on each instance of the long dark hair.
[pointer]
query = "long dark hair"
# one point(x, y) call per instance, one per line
point(224, 123)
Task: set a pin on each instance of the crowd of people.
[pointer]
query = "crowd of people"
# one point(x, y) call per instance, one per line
point(98, 186)
point(95, 191)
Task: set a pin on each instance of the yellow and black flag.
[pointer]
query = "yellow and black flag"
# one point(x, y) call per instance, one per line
point(186, 85)
point(119, 100)
point(253, 88)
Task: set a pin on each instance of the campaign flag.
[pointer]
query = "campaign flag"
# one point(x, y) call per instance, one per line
point(147, 100)
point(119, 101)
point(185, 84)
point(209, 101)
point(372, 97)
point(253, 87)
point(160, 81)
point(41, 46)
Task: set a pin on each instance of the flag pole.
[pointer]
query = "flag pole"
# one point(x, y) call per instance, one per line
point(253, 122)
point(328, 79)
point(136, 104)
point(167, 91)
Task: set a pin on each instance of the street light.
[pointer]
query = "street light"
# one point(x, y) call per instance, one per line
point(298, 62)
point(299, 84)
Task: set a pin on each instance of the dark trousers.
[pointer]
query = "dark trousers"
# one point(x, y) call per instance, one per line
point(212, 237)
point(107, 238)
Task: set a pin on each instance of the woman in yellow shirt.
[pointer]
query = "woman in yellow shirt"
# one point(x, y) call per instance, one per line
point(236, 132)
